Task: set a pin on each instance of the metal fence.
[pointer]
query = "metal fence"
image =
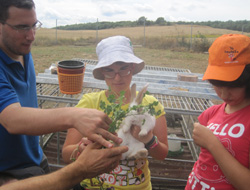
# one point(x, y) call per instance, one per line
point(181, 107)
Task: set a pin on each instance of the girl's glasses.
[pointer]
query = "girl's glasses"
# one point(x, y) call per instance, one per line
point(111, 73)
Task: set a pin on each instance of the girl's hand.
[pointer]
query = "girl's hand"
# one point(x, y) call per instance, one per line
point(135, 130)
point(83, 143)
point(203, 136)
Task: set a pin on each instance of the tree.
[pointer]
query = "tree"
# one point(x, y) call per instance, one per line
point(160, 21)
point(141, 20)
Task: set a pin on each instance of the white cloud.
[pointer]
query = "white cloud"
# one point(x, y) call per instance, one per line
point(144, 7)
point(110, 10)
point(82, 11)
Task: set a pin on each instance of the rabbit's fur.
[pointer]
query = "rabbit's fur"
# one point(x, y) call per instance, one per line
point(136, 148)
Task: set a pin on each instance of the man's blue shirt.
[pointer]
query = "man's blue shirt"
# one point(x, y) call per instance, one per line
point(18, 84)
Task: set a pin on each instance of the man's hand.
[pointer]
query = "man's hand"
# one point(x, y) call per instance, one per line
point(92, 162)
point(94, 124)
point(95, 160)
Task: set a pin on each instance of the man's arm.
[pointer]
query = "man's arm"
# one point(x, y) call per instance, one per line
point(92, 162)
point(34, 121)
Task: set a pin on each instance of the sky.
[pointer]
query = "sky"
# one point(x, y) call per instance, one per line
point(54, 13)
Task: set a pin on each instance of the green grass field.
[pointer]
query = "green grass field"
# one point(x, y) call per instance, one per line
point(44, 56)
point(51, 46)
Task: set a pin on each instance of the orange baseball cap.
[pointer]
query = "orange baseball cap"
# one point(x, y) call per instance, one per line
point(228, 56)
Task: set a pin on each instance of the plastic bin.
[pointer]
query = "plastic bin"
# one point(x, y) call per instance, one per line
point(70, 76)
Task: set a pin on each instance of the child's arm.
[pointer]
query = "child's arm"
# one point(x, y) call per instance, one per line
point(234, 171)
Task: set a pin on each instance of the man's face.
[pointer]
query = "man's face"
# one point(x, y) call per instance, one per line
point(17, 42)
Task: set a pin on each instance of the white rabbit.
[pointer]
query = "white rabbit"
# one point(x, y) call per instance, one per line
point(144, 120)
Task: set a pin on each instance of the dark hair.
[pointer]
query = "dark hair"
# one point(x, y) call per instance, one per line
point(242, 81)
point(6, 4)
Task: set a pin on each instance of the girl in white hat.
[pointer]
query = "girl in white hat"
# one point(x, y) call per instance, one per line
point(117, 64)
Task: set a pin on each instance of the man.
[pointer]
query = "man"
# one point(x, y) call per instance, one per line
point(90, 163)
point(20, 120)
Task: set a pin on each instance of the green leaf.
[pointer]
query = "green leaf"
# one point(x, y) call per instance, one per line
point(117, 114)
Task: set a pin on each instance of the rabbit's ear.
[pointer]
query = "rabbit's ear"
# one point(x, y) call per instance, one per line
point(141, 94)
point(133, 92)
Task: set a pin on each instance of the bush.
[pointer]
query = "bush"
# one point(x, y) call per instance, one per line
point(201, 43)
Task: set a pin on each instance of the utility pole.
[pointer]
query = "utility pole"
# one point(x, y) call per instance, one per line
point(191, 36)
point(56, 31)
point(97, 31)
point(144, 32)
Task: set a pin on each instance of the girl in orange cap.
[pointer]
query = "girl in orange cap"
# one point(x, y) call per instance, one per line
point(223, 131)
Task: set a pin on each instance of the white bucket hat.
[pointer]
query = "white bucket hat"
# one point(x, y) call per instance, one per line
point(115, 49)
